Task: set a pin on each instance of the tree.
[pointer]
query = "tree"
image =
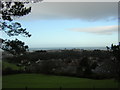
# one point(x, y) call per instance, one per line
point(15, 47)
point(8, 10)
point(116, 52)
point(85, 66)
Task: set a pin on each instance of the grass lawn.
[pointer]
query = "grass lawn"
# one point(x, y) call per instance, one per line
point(50, 81)
point(10, 65)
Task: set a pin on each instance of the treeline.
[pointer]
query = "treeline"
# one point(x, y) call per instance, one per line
point(64, 62)
point(64, 54)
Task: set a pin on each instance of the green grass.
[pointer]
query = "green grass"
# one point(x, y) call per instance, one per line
point(49, 81)
point(9, 65)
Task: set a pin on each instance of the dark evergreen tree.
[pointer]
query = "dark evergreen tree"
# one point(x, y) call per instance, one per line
point(15, 47)
point(8, 10)
point(115, 50)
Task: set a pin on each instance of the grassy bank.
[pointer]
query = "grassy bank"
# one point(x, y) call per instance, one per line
point(9, 65)
point(49, 81)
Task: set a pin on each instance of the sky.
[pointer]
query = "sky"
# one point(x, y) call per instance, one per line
point(71, 24)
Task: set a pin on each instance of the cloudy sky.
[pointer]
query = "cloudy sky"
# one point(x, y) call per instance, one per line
point(80, 0)
point(72, 24)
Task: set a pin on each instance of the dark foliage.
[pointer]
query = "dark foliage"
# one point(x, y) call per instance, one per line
point(116, 52)
point(9, 10)
point(67, 55)
point(53, 62)
point(15, 47)
point(14, 29)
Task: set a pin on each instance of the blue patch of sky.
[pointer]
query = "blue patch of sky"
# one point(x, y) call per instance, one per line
point(55, 33)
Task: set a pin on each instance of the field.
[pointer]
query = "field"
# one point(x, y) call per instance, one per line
point(50, 81)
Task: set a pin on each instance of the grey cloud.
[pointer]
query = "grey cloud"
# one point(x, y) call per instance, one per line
point(81, 0)
point(104, 30)
point(90, 11)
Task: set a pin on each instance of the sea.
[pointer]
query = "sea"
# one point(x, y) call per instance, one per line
point(68, 48)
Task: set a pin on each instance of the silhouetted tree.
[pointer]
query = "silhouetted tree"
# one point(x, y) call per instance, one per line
point(85, 66)
point(115, 50)
point(8, 10)
point(107, 48)
point(15, 47)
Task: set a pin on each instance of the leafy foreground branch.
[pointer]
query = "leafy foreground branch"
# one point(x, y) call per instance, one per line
point(9, 10)
point(15, 47)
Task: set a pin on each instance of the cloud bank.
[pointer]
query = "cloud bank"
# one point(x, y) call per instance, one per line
point(90, 11)
point(104, 30)
point(81, 1)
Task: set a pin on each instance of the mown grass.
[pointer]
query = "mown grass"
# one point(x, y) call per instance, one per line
point(50, 81)
point(10, 65)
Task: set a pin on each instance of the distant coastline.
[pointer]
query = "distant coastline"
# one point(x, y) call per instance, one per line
point(68, 48)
